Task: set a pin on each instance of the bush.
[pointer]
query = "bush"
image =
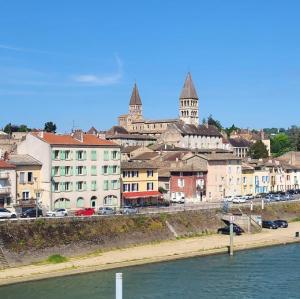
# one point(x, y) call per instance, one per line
point(56, 259)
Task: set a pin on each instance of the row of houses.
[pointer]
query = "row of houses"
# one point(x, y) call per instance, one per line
point(80, 170)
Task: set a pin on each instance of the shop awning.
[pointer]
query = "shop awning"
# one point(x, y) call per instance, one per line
point(141, 194)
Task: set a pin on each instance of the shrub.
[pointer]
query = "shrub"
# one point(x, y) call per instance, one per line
point(56, 259)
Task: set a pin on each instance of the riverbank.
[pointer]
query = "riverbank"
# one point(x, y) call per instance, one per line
point(151, 253)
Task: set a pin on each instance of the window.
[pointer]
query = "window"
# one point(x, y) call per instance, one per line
point(22, 178)
point(244, 180)
point(105, 185)
point(149, 186)
point(105, 169)
point(67, 186)
point(114, 169)
point(56, 187)
point(80, 202)
point(94, 185)
point(29, 177)
point(110, 200)
point(67, 170)
point(126, 174)
point(81, 155)
point(80, 170)
point(106, 155)
point(55, 155)
point(149, 173)
point(134, 173)
point(94, 155)
point(81, 186)
point(114, 155)
point(180, 183)
point(126, 187)
point(135, 187)
point(115, 184)
point(67, 155)
point(93, 170)
point(55, 171)
point(25, 195)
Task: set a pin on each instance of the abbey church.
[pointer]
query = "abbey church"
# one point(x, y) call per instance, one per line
point(183, 132)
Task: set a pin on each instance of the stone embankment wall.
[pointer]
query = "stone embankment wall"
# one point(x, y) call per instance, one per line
point(34, 240)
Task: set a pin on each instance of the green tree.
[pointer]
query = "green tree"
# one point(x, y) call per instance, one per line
point(9, 128)
point(50, 127)
point(280, 144)
point(230, 130)
point(23, 128)
point(213, 122)
point(258, 150)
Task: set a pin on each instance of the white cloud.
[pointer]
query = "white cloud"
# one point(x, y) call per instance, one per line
point(102, 80)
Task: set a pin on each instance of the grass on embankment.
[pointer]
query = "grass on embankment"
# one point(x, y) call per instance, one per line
point(56, 259)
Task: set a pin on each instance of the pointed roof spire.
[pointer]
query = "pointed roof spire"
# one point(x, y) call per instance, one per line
point(135, 97)
point(188, 90)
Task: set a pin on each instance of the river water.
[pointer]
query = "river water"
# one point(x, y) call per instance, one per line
point(272, 272)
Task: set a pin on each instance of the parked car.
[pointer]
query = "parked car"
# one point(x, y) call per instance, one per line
point(228, 198)
point(128, 210)
point(239, 199)
point(237, 230)
point(106, 211)
point(57, 213)
point(6, 214)
point(269, 224)
point(277, 197)
point(31, 213)
point(85, 212)
point(249, 196)
point(281, 223)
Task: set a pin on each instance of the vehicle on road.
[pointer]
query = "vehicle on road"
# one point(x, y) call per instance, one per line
point(128, 210)
point(85, 212)
point(57, 213)
point(249, 196)
point(237, 230)
point(177, 197)
point(6, 214)
point(239, 199)
point(106, 211)
point(227, 198)
point(281, 223)
point(269, 224)
point(31, 213)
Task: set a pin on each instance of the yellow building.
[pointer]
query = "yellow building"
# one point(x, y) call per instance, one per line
point(247, 186)
point(139, 183)
point(28, 181)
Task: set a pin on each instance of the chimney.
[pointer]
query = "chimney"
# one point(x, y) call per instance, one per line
point(41, 134)
point(78, 135)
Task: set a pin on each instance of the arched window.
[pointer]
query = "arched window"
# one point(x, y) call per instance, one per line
point(62, 203)
point(110, 200)
point(80, 202)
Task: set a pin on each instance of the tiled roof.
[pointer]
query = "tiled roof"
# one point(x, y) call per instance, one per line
point(146, 156)
point(130, 136)
point(201, 130)
point(23, 160)
point(219, 157)
point(88, 140)
point(137, 165)
point(188, 90)
point(239, 142)
point(116, 130)
point(6, 165)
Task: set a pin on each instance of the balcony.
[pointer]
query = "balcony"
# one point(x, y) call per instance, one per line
point(23, 202)
point(5, 190)
point(4, 175)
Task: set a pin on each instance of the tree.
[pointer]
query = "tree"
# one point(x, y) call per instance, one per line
point(258, 150)
point(230, 130)
point(213, 122)
point(280, 144)
point(23, 128)
point(50, 127)
point(9, 128)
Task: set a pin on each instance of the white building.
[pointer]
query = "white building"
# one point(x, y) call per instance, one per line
point(78, 170)
point(7, 184)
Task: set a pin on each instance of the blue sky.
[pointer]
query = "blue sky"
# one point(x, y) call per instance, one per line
point(68, 61)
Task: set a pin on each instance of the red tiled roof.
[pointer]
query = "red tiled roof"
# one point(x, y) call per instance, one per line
point(6, 165)
point(141, 194)
point(88, 139)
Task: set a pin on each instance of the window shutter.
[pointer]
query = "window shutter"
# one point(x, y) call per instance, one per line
point(84, 186)
point(76, 155)
point(71, 170)
point(118, 169)
point(84, 170)
point(62, 170)
point(84, 155)
point(62, 154)
point(52, 187)
point(102, 170)
point(61, 186)
point(52, 171)
point(71, 186)
point(53, 155)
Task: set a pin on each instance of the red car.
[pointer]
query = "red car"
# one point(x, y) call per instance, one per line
point(85, 212)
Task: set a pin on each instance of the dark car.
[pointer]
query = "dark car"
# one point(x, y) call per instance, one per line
point(31, 213)
point(281, 223)
point(269, 224)
point(226, 230)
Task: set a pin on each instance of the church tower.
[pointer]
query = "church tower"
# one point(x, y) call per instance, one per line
point(188, 103)
point(135, 105)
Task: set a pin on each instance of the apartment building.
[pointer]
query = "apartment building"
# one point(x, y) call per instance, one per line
point(78, 170)
point(7, 184)
point(139, 183)
point(28, 181)
point(247, 186)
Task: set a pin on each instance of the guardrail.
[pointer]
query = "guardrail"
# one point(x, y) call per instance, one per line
point(158, 210)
